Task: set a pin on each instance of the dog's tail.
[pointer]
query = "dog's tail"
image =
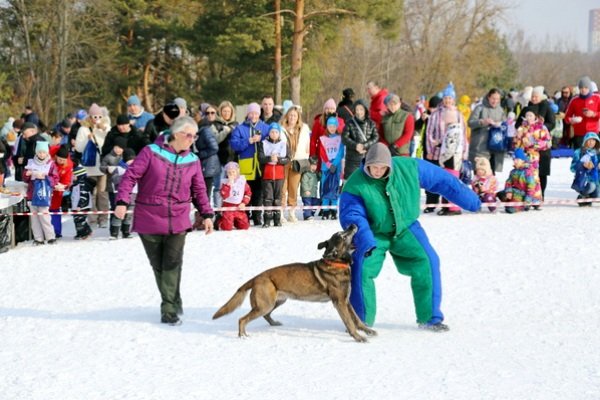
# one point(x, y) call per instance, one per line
point(235, 301)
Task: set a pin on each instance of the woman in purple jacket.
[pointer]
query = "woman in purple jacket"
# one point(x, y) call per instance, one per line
point(168, 176)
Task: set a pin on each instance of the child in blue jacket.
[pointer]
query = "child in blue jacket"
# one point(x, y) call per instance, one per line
point(585, 167)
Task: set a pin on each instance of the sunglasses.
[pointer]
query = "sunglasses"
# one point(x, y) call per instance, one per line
point(189, 135)
point(211, 112)
point(96, 116)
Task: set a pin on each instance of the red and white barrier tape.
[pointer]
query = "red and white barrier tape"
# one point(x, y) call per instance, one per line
point(283, 208)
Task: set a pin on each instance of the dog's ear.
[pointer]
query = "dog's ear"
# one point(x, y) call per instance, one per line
point(322, 244)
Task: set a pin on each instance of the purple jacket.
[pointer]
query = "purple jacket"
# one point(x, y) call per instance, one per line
point(167, 182)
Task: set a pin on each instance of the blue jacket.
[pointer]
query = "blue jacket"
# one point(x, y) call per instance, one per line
point(591, 153)
point(141, 120)
point(206, 148)
point(240, 137)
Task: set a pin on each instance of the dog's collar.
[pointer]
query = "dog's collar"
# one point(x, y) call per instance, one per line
point(340, 265)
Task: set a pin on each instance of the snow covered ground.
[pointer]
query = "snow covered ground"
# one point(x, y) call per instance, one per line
point(80, 320)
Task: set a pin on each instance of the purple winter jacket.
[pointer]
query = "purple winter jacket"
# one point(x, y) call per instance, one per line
point(167, 182)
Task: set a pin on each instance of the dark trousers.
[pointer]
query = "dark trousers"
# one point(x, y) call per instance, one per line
point(116, 222)
point(271, 192)
point(309, 201)
point(543, 184)
point(81, 225)
point(256, 199)
point(430, 197)
point(165, 253)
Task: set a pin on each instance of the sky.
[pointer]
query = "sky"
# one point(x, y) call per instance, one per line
point(539, 18)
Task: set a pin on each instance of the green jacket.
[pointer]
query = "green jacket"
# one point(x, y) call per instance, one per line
point(399, 193)
point(309, 182)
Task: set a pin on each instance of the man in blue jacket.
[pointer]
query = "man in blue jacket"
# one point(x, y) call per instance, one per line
point(244, 141)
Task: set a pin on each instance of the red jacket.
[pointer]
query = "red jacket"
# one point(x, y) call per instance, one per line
point(575, 108)
point(65, 176)
point(377, 108)
point(226, 191)
point(319, 130)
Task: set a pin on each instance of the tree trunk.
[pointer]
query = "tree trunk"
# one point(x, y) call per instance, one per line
point(29, 52)
point(63, 41)
point(146, 88)
point(297, 45)
point(277, 52)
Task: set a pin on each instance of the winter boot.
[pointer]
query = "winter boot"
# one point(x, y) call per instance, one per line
point(126, 231)
point(268, 219)
point(257, 218)
point(114, 232)
point(277, 218)
point(333, 214)
point(325, 214)
point(434, 327)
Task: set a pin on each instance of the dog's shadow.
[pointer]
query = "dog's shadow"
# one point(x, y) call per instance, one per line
point(291, 326)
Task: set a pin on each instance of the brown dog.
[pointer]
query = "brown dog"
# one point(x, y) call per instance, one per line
point(322, 280)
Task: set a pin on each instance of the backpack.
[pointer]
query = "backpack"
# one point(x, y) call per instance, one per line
point(452, 144)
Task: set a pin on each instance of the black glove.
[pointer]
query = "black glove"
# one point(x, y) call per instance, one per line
point(332, 168)
point(394, 150)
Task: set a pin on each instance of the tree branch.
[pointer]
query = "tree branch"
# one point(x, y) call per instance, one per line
point(330, 11)
point(280, 12)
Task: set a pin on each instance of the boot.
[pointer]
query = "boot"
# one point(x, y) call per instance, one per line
point(333, 214)
point(268, 219)
point(114, 232)
point(277, 218)
point(325, 214)
point(126, 231)
point(257, 218)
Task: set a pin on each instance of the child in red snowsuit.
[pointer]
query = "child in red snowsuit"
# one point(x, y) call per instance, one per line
point(235, 192)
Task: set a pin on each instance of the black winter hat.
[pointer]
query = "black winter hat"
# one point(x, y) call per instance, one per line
point(121, 142)
point(128, 154)
point(348, 93)
point(434, 102)
point(62, 152)
point(29, 125)
point(171, 110)
point(122, 119)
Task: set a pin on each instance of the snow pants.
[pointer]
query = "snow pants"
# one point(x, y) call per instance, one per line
point(165, 253)
point(231, 219)
point(413, 256)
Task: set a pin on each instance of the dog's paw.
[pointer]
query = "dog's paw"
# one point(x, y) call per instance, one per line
point(370, 332)
point(360, 339)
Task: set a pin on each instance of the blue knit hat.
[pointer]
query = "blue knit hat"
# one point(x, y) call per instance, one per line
point(276, 126)
point(286, 105)
point(332, 121)
point(449, 91)
point(81, 114)
point(133, 100)
point(42, 145)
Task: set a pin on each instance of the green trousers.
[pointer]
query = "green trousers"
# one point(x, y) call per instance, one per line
point(411, 258)
point(165, 253)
